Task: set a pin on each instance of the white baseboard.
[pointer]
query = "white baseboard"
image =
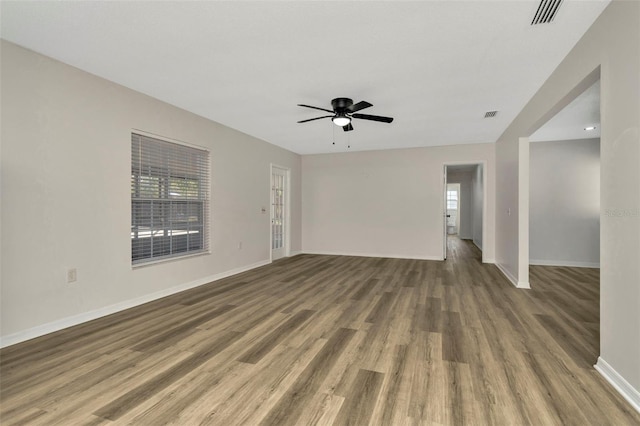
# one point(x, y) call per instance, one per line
point(477, 245)
point(295, 253)
point(391, 256)
point(488, 261)
point(569, 263)
point(67, 322)
point(512, 278)
point(624, 388)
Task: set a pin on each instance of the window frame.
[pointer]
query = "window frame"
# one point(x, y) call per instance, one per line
point(452, 199)
point(192, 201)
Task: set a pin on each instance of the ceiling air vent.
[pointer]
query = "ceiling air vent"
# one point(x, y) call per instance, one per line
point(490, 114)
point(546, 11)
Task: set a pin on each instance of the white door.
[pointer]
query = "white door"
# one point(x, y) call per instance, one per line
point(444, 214)
point(279, 213)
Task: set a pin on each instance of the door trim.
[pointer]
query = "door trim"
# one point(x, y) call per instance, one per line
point(445, 241)
point(287, 212)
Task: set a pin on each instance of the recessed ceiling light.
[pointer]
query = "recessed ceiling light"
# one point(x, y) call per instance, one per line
point(590, 128)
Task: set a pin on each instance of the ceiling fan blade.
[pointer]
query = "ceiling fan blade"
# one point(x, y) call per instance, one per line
point(360, 105)
point(321, 109)
point(317, 118)
point(347, 128)
point(373, 117)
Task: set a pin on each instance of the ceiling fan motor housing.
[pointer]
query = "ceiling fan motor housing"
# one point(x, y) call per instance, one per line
point(341, 105)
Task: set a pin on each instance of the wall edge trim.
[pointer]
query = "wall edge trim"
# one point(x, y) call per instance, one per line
point(512, 279)
point(567, 263)
point(619, 383)
point(383, 255)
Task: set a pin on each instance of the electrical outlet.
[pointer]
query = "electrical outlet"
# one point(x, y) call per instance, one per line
point(240, 245)
point(72, 275)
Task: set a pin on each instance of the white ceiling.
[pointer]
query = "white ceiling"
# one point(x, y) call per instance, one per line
point(435, 66)
point(570, 123)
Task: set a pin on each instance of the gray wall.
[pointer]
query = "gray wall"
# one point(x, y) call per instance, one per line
point(66, 143)
point(564, 205)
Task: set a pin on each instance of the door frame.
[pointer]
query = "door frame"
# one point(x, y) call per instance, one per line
point(287, 214)
point(445, 241)
point(443, 221)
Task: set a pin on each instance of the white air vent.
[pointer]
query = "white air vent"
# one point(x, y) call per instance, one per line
point(547, 10)
point(490, 114)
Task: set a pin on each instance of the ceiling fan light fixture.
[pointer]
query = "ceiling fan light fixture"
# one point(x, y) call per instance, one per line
point(341, 120)
point(344, 111)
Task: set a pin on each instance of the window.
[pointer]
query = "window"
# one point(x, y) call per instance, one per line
point(452, 200)
point(169, 199)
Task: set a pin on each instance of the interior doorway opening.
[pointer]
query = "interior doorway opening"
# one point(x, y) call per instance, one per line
point(464, 203)
point(564, 186)
point(562, 260)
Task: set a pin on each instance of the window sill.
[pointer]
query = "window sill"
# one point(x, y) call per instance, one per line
point(169, 259)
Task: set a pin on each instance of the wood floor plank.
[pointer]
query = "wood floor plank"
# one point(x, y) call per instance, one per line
point(291, 405)
point(322, 410)
point(324, 340)
point(382, 307)
point(365, 288)
point(175, 334)
point(358, 406)
point(246, 397)
point(260, 349)
point(82, 404)
point(453, 339)
point(394, 401)
point(124, 403)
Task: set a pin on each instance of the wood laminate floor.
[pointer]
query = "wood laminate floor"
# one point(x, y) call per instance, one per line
point(331, 340)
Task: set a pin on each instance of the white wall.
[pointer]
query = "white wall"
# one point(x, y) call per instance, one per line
point(465, 207)
point(478, 200)
point(564, 208)
point(384, 203)
point(66, 195)
point(609, 50)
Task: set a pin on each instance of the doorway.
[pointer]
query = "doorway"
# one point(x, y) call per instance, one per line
point(279, 212)
point(562, 227)
point(564, 186)
point(464, 203)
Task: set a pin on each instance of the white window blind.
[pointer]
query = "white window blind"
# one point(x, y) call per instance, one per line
point(169, 199)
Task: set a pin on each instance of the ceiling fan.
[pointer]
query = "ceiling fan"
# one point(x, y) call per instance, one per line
point(344, 110)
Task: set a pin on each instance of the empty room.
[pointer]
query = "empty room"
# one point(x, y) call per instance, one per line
point(320, 212)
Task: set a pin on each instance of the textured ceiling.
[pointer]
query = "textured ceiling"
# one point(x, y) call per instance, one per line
point(435, 66)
